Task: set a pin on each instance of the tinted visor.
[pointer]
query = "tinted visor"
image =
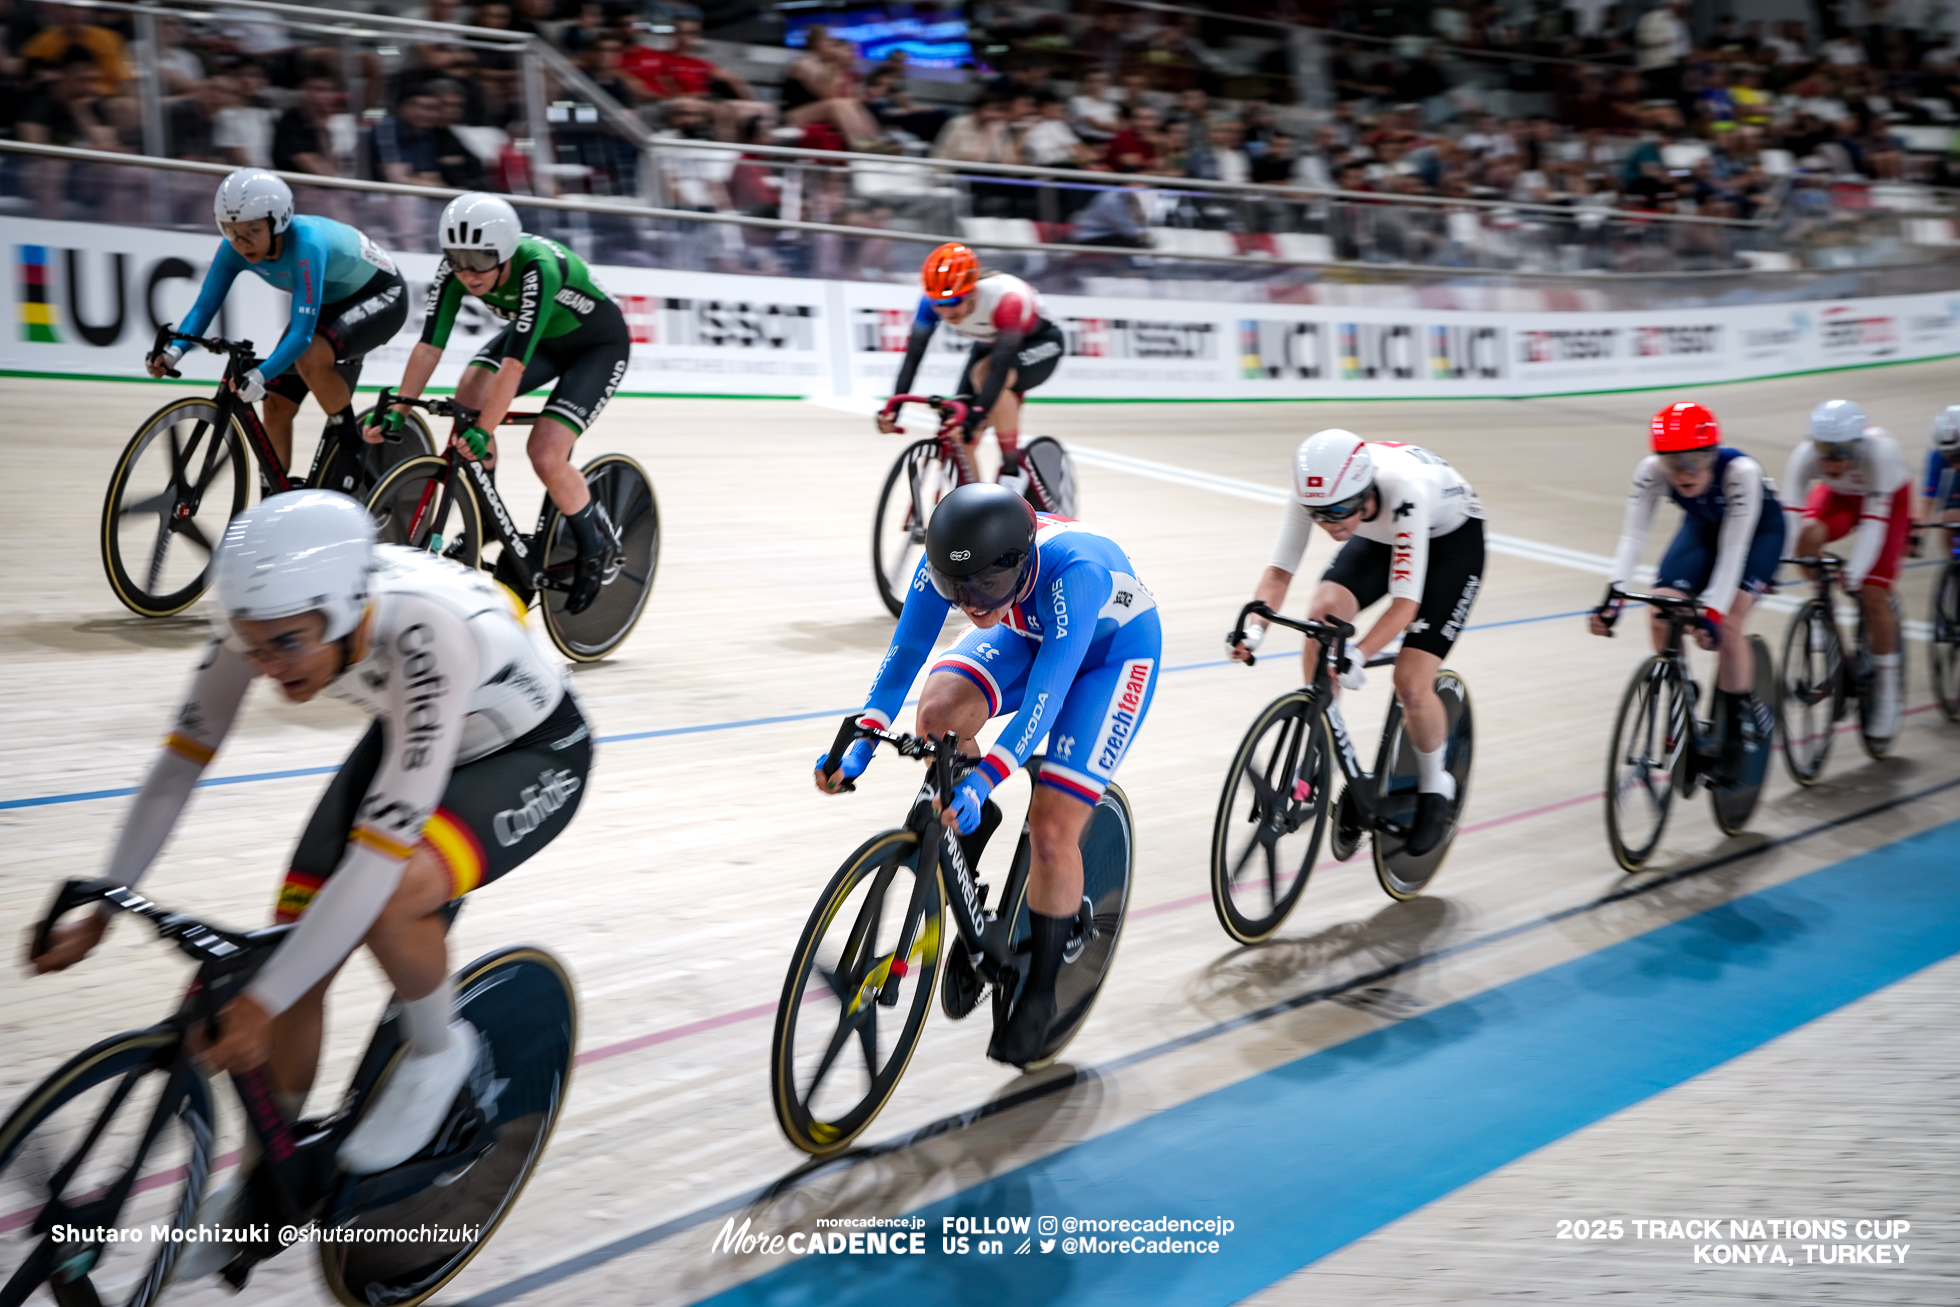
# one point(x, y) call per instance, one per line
point(989, 588)
point(1838, 449)
point(473, 260)
point(1689, 460)
point(1341, 511)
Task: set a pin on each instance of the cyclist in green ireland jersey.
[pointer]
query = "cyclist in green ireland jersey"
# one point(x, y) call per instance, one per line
point(562, 327)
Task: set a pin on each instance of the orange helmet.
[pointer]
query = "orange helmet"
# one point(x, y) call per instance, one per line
point(950, 272)
point(1681, 427)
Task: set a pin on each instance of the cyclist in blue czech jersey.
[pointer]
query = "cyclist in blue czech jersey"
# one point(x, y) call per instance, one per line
point(1067, 639)
point(1941, 492)
point(348, 300)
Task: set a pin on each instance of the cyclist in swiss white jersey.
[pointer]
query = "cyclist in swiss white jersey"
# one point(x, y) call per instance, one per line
point(1412, 529)
point(1015, 346)
point(475, 760)
point(1850, 479)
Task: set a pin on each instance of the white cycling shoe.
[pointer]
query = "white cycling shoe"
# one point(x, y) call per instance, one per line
point(217, 1208)
point(411, 1106)
point(1885, 704)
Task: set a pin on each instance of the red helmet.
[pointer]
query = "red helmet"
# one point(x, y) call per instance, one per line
point(950, 271)
point(1680, 427)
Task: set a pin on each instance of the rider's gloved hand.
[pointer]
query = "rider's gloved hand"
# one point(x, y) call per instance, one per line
point(478, 440)
point(392, 423)
point(1250, 643)
point(166, 358)
point(855, 760)
point(1604, 616)
point(1353, 667)
point(251, 386)
point(1710, 623)
point(968, 795)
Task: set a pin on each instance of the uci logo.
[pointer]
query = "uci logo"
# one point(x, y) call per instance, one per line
point(960, 555)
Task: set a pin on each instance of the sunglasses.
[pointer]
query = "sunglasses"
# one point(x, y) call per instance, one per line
point(284, 647)
point(1837, 451)
point(1340, 512)
point(473, 260)
point(249, 229)
point(1689, 460)
point(949, 303)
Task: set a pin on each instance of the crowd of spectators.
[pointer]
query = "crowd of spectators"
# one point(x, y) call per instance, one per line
point(1581, 105)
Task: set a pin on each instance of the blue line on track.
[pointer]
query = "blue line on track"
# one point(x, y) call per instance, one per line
point(1313, 1155)
point(79, 796)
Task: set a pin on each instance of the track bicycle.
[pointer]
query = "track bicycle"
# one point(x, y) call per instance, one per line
point(930, 469)
point(121, 1136)
point(1819, 681)
point(1274, 810)
point(1662, 746)
point(432, 503)
point(183, 476)
point(1943, 641)
point(860, 983)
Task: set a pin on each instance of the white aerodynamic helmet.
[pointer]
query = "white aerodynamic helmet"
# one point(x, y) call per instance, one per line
point(253, 193)
point(1946, 432)
point(1332, 469)
point(1838, 422)
point(298, 552)
point(481, 225)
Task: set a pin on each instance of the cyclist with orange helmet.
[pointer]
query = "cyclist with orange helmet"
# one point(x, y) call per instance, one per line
point(1015, 345)
point(1725, 554)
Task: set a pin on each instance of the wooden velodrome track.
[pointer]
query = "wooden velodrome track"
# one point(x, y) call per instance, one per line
point(677, 894)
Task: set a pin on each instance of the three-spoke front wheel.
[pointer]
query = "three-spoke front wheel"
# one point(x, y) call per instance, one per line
point(180, 480)
point(917, 482)
point(855, 1001)
point(1810, 691)
point(421, 506)
point(1270, 818)
point(1649, 741)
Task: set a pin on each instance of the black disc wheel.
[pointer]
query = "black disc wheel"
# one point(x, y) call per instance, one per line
point(1402, 874)
point(1734, 805)
point(179, 481)
point(1943, 650)
point(1810, 691)
point(1108, 867)
point(1271, 817)
point(463, 1184)
point(1051, 476)
point(1877, 746)
point(620, 487)
point(354, 467)
point(854, 1005)
point(412, 506)
point(1644, 768)
point(116, 1139)
point(915, 485)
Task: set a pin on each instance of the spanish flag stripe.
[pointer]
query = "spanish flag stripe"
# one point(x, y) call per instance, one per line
point(184, 746)
point(380, 843)
point(456, 844)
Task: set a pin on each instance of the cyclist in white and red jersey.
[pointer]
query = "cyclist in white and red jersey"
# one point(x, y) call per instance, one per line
point(1015, 346)
point(1411, 529)
point(1850, 477)
point(476, 758)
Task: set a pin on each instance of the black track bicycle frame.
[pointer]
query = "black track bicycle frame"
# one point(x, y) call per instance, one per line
point(954, 447)
point(1679, 614)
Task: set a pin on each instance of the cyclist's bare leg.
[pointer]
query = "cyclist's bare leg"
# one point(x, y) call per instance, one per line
point(1736, 671)
point(550, 448)
point(1657, 620)
point(1055, 825)
point(1005, 416)
point(950, 702)
point(1875, 602)
point(316, 369)
point(1428, 722)
point(1330, 599)
point(276, 415)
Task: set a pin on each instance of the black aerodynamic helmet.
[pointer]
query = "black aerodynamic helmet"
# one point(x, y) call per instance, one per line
point(980, 548)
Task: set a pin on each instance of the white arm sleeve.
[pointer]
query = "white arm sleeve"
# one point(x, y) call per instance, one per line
point(1743, 485)
point(1642, 500)
point(1885, 473)
point(435, 670)
point(1295, 529)
point(217, 688)
point(1797, 477)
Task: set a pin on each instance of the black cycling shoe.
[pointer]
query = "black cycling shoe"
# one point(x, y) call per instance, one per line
point(1025, 1033)
point(587, 582)
point(598, 555)
point(1431, 824)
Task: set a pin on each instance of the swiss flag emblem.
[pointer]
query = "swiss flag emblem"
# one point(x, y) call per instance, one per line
point(1314, 482)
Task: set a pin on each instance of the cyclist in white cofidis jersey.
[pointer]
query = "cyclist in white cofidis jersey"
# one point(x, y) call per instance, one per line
point(475, 760)
point(1411, 529)
point(1850, 477)
point(1015, 347)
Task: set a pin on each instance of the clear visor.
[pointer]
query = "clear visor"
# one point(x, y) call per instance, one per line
point(246, 229)
point(473, 260)
point(1340, 511)
point(1837, 449)
point(986, 590)
point(1689, 460)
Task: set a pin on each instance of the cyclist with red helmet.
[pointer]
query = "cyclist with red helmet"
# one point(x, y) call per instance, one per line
point(1725, 554)
point(1015, 345)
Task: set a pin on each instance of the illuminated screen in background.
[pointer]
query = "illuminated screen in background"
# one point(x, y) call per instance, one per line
point(930, 36)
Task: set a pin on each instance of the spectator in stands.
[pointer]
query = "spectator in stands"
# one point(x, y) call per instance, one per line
point(497, 71)
point(302, 139)
point(414, 145)
point(64, 108)
point(982, 136)
point(1663, 41)
point(1219, 158)
point(885, 95)
point(178, 69)
point(1278, 164)
point(599, 58)
point(66, 32)
point(1093, 110)
point(190, 122)
point(1050, 142)
point(1135, 148)
point(820, 88)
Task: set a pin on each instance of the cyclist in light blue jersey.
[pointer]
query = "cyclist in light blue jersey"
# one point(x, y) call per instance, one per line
point(1941, 492)
point(1064, 636)
point(348, 300)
